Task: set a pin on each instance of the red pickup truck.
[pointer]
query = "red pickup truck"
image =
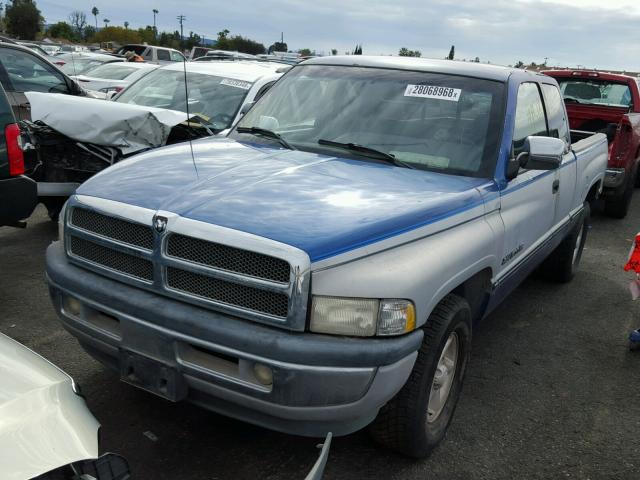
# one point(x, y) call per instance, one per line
point(607, 103)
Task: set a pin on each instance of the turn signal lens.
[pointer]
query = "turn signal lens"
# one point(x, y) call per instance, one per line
point(396, 317)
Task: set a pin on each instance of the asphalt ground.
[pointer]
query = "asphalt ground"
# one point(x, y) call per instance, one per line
point(551, 392)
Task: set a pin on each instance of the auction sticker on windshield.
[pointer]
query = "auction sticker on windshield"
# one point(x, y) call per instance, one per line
point(431, 91)
point(236, 83)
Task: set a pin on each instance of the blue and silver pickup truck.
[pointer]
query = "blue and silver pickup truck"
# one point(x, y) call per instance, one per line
point(322, 267)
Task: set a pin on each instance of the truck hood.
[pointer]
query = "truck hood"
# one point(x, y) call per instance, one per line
point(43, 423)
point(321, 204)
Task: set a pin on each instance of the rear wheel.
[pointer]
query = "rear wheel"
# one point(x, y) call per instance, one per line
point(618, 207)
point(416, 419)
point(54, 206)
point(562, 264)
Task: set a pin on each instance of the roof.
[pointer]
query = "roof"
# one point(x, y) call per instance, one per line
point(471, 69)
point(248, 71)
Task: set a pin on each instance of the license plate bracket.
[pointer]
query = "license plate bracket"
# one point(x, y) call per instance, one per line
point(152, 376)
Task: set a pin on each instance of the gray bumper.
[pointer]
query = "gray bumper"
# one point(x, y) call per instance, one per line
point(57, 189)
point(320, 383)
point(614, 177)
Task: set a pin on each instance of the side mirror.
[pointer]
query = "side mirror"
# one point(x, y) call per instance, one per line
point(246, 107)
point(538, 153)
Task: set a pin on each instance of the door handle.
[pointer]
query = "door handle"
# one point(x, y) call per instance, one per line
point(556, 186)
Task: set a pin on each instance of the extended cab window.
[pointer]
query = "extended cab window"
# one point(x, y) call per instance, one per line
point(439, 122)
point(530, 119)
point(164, 55)
point(556, 116)
point(25, 72)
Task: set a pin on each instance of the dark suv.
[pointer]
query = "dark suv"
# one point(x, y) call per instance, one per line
point(23, 70)
point(18, 194)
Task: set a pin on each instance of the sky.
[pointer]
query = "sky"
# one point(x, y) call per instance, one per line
point(591, 33)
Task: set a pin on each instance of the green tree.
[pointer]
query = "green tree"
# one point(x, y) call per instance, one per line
point(477, 60)
point(23, 19)
point(147, 34)
point(334, 51)
point(278, 47)
point(519, 64)
point(126, 25)
point(95, 12)
point(357, 50)
point(305, 52)
point(61, 30)
point(452, 52)
point(117, 34)
point(405, 52)
point(89, 32)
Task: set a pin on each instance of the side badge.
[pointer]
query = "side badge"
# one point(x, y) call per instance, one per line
point(159, 223)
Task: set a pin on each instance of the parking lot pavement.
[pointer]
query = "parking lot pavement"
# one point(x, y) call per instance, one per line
point(551, 391)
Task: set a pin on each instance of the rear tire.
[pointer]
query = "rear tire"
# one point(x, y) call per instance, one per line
point(54, 206)
point(618, 207)
point(415, 421)
point(563, 263)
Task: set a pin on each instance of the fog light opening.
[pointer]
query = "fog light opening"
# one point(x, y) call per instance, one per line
point(73, 306)
point(263, 374)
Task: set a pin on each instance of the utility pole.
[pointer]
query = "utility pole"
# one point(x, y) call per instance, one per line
point(181, 19)
point(155, 30)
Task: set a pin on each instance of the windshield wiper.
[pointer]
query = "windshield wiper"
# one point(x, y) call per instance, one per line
point(266, 133)
point(366, 151)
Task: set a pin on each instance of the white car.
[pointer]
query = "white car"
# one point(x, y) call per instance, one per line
point(45, 425)
point(79, 63)
point(114, 76)
point(218, 91)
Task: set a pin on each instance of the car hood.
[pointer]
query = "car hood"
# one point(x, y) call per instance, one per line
point(321, 204)
point(43, 423)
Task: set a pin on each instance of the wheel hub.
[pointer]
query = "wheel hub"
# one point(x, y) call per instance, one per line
point(443, 378)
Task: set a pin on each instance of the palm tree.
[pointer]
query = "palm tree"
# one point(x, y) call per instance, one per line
point(126, 25)
point(106, 22)
point(95, 12)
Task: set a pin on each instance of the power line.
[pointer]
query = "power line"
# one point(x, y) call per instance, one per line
point(181, 19)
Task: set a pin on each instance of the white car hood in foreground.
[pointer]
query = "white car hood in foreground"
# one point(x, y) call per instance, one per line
point(43, 423)
point(128, 127)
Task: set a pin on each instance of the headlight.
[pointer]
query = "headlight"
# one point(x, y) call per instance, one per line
point(61, 218)
point(361, 317)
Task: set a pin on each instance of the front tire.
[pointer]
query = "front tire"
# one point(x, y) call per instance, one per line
point(415, 421)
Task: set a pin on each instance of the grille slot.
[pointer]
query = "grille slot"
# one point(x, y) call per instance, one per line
point(228, 258)
point(262, 301)
point(121, 230)
point(106, 257)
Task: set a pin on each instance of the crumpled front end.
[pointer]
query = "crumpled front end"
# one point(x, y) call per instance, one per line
point(44, 423)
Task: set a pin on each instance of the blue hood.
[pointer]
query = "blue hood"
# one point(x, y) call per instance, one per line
point(321, 204)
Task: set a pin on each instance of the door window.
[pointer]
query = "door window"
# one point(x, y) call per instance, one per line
point(530, 119)
point(25, 72)
point(176, 57)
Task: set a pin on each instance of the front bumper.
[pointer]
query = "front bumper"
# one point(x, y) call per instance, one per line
point(320, 383)
point(18, 198)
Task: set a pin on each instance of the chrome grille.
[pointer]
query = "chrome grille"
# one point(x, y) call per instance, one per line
point(256, 283)
point(112, 259)
point(263, 301)
point(115, 228)
point(228, 258)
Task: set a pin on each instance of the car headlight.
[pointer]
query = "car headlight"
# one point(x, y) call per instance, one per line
point(61, 220)
point(362, 317)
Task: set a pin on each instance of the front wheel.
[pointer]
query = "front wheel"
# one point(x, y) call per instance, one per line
point(415, 421)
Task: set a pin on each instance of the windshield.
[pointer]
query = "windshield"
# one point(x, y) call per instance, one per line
point(77, 66)
point(113, 71)
point(595, 92)
point(214, 99)
point(427, 121)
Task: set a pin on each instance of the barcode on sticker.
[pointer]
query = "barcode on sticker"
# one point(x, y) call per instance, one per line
point(432, 91)
point(236, 83)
